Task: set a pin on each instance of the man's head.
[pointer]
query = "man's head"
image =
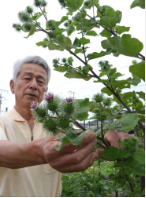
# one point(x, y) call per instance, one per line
point(30, 78)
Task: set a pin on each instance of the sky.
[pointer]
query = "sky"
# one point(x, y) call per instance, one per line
point(14, 46)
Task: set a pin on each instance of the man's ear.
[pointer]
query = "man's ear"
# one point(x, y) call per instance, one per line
point(12, 86)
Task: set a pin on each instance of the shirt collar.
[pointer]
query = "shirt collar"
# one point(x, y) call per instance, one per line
point(16, 116)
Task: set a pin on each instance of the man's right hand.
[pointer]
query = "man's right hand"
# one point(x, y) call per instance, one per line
point(69, 158)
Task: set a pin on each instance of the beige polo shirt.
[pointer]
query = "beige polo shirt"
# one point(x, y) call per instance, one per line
point(34, 181)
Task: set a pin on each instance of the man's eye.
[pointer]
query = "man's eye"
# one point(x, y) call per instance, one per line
point(40, 81)
point(27, 78)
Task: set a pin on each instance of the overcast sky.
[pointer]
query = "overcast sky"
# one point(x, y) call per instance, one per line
point(14, 46)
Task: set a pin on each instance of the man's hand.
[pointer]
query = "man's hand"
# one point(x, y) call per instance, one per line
point(69, 158)
point(111, 139)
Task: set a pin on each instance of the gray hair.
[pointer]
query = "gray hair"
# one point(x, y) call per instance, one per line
point(30, 59)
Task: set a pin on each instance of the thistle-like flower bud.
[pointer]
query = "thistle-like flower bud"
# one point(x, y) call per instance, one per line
point(37, 3)
point(27, 27)
point(49, 97)
point(43, 3)
point(69, 100)
point(23, 16)
point(33, 105)
point(29, 10)
point(17, 27)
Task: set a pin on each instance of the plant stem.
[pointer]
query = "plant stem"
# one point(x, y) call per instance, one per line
point(42, 12)
point(78, 124)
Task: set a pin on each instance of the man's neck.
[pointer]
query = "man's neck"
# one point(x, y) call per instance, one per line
point(26, 114)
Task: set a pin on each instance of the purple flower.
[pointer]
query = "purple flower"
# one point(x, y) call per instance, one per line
point(34, 105)
point(69, 100)
point(49, 97)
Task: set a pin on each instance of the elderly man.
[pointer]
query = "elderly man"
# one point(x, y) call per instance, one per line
point(29, 163)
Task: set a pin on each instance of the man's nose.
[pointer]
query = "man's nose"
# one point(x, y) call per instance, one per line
point(33, 84)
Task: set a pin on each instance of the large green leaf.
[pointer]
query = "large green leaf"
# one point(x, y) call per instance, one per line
point(91, 33)
point(123, 45)
point(112, 153)
point(53, 46)
point(140, 3)
point(132, 166)
point(111, 20)
point(84, 41)
point(107, 91)
point(96, 55)
point(105, 33)
point(127, 122)
point(72, 138)
point(139, 155)
point(134, 81)
point(141, 94)
point(74, 5)
point(64, 42)
point(72, 73)
point(138, 70)
point(32, 31)
point(83, 105)
point(61, 69)
point(121, 29)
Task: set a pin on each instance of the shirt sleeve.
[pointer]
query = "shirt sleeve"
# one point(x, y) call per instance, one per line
point(2, 130)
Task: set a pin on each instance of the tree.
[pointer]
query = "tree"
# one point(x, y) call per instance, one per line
point(72, 33)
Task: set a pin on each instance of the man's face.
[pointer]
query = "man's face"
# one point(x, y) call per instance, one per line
point(30, 85)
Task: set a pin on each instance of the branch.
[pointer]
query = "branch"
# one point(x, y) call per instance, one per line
point(43, 14)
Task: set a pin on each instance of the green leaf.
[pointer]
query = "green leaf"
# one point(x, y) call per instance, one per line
point(91, 33)
point(64, 18)
point(74, 5)
point(112, 153)
point(128, 95)
point(138, 70)
point(32, 31)
point(134, 81)
point(83, 105)
point(111, 20)
point(84, 41)
point(42, 43)
point(70, 30)
point(53, 46)
point(139, 155)
point(107, 91)
point(36, 16)
point(141, 94)
point(76, 43)
point(64, 42)
point(127, 122)
point(131, 166)
point(140, 3)
point(72, 73)
point(78, 51)
point(96, 55)
point(105, 33)
point(77, 139)
point(121, 29)
point(123, 45)
point(61, 69)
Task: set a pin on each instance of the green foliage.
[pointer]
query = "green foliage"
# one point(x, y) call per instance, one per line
point(123, 45)
point(140, 3)
point(138, 70)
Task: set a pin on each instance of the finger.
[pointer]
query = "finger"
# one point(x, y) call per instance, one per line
point(112, 138)
point(123, 135)
point(82, 166)
point(75, 157)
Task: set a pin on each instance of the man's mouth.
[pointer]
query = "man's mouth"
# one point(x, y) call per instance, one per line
point(32, 95)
